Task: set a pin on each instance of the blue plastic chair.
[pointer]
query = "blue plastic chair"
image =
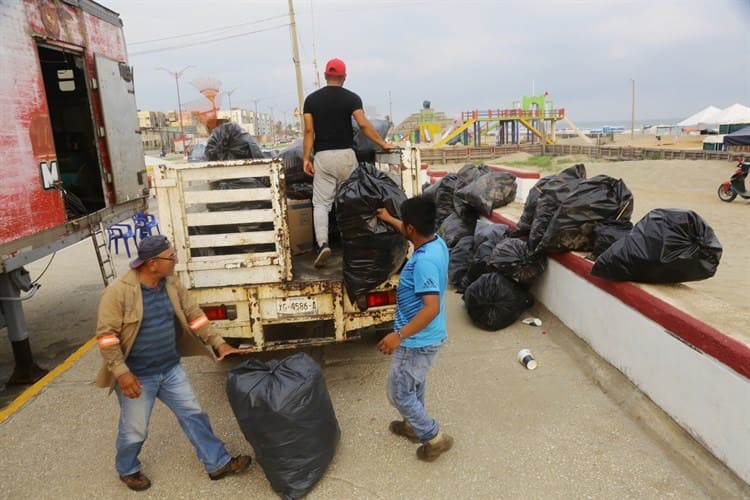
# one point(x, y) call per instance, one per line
point(145, 224)
point(117, 232)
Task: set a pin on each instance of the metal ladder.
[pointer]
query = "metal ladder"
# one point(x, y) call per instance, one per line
point(106, 266)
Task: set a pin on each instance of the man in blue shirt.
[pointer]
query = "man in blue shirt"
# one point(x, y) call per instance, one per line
point(420, 329)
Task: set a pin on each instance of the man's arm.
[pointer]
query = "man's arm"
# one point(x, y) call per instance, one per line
point(429, 311)
point(109, 321)
point(385, 216)
point(307, 144)
point(366, 127)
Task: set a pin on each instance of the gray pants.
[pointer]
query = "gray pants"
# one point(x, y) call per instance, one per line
point(332, 167)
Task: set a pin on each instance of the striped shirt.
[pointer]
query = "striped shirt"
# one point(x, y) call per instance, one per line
point(426, 272)
point(155, 348)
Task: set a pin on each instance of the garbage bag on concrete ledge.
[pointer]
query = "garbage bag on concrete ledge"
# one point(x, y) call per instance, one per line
point(491, 190)
point(666, 246)
point(523, 227)
point(284, 410)
point(606, 233)
point(494, 301)
point(229, 141)
point(590, 202)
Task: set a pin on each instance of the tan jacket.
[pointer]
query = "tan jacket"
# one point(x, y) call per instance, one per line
point(119, 320)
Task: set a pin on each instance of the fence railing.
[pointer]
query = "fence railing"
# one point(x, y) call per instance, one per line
point(469, 154)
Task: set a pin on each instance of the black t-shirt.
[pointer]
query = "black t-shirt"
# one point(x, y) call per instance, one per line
point(332, 108)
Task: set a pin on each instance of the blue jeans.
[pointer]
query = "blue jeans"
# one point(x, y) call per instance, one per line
point(407, 380)
point(174, 390)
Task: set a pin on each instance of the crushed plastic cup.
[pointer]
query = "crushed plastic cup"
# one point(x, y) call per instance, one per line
point(526, 359)
point(532, 321)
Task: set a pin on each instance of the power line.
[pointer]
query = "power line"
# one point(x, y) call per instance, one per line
point(220, 28)
point(210, 40)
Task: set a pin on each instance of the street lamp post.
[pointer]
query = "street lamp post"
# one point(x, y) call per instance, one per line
point(177, 75)
point(632, 112)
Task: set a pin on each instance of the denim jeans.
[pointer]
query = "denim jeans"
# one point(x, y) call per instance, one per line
point(174, 390)
point(407, 380)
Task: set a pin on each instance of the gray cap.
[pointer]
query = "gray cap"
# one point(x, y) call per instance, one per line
point(148, 248)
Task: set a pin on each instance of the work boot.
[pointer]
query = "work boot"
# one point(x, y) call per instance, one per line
point(402, 428)
point(435, 447)
point(323, 253)
point(136, 481)
point(237, 464)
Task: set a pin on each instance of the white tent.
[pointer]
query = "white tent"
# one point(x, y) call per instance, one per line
point(736, 113)
point(702, 117)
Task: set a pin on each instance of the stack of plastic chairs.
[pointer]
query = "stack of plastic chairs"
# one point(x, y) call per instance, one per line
point(145, 223)
point(117, 232)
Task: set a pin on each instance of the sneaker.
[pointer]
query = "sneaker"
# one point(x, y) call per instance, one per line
point(403, 429)
point(136, 481)
point(237, 464)
point(435, 447)
point(323, 253)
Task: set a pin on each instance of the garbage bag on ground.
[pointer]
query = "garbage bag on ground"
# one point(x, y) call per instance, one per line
point(444, 197)
point(229, 141)
point(364, 148)
point(666, 246)
point(511, 258)
point(606, 233)
point(486, 229)
point(430, 191)
point(483, 252)
point(494, 301)
point(454, 228)
point(589, 203)
point(284, 410)
point(293, 164)
point(372, 249)
point(523, 227)
point(485, 193)
point(461, 257)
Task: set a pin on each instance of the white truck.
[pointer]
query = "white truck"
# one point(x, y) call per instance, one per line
point(234, 253)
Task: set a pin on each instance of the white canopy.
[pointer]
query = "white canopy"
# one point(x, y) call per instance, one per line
point(736, 113)
point(702, 117)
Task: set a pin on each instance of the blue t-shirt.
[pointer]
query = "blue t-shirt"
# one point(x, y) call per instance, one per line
point(426, 272)
point(155, 348)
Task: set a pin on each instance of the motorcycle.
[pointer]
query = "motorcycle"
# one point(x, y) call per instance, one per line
point(729, 190)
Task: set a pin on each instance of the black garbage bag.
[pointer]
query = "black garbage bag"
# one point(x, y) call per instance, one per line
point(430, 191)
point(466, 175)
point(444, 197)
point(606, 233)
point(483, 252)
point(511, 258)
point(523, 227)
point(284, 410)
point(293, 164)
point(494, 301)
point(485, 193)
point(454, 228)
point(591, 202)
point(300, 191)
point(666, 246)
point(488, 230)
point(461, 257)
point(554, 193)
point(229, 141)
point(372, 249)
point(364, 147)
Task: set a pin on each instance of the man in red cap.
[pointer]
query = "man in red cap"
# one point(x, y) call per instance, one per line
point(328, 116)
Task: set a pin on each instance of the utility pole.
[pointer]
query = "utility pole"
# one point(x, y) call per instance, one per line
point(295, 56)
point(255, 115)
point(315, 54)
point(177, 75)
point(632, 112)
point(229, 101)
point(273, 126)
point(390, 107)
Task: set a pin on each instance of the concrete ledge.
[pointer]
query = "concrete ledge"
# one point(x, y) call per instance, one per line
point(695, 373)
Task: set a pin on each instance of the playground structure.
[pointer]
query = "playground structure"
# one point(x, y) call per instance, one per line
point(530, 120)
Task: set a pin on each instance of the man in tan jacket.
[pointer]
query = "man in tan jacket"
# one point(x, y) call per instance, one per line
point(147, 320)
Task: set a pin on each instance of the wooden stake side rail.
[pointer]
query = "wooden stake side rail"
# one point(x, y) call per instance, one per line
point(470, 154)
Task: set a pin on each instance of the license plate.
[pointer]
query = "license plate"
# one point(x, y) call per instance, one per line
point(294, 306)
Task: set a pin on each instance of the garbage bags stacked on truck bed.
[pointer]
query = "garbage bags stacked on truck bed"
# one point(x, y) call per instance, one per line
point(364, 148)
point(229, 141)
point(373, 250)
point(284, 410)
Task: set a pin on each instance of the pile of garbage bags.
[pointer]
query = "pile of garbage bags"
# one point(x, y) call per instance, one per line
point(285, 412)
point(229, 141)
point(373, 250)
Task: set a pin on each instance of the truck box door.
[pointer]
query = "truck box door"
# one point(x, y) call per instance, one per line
point(117, 94)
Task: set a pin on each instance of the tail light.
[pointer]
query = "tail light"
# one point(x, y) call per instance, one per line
point(378, 299)
point(214, 313)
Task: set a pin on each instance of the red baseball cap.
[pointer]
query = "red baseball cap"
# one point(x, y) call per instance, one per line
point(335, 67)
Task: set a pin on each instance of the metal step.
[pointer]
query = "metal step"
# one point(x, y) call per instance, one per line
point(106, 266)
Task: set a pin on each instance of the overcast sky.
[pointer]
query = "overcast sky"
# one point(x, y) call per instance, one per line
point(460, 55)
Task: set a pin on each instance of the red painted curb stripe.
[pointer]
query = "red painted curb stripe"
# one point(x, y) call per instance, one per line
point(521, 174)
point(694, 332)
